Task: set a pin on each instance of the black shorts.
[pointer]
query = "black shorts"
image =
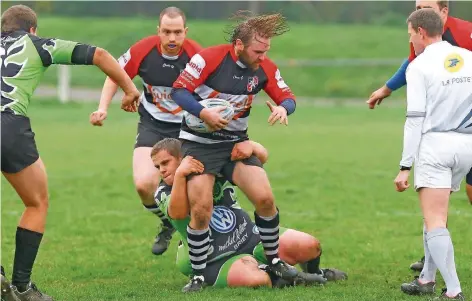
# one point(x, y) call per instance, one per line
point(214, 270)
point(468, 178)
point(151, 130)
point(18, 146)
point(214, 156)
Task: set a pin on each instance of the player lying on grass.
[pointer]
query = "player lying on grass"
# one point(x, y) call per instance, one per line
point(234, 248)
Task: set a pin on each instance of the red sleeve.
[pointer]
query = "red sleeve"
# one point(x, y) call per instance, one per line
point(276, 87)
point(191, 47)
point(132, 58)
point(461, 30)
point(412, 53)
point(201, 65)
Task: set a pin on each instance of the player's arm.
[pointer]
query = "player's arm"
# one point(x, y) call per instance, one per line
point(179, 207)
point(416, 112)
point(397, 81)
point(259, 151)
point(280, 93)
point(194, 75)
point(243, 150)
point(56, 51)
point(130, 62)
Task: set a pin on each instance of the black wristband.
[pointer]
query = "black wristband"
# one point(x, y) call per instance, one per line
point(405, 168)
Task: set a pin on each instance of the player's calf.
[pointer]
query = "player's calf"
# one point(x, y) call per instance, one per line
point(298, 247)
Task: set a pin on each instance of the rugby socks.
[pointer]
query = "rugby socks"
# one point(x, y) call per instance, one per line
point(441, 249)
point(428, 274)
point(198, 244)
point(312, 266)
point(157, 211)
point(269, 233)
point(27, 245)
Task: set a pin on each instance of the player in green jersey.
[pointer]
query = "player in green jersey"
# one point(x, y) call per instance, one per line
point(235, 253)
point(24, 59)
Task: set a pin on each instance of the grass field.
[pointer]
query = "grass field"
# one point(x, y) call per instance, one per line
point(332, 172)
point(302, 42)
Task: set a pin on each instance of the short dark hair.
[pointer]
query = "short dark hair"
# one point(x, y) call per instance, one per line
point(171, 145)
point(428, 19)
point(172, 12)
point(247, 26)
point(19, 17)
point(443, 4)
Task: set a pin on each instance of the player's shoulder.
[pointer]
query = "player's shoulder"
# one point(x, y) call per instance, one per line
point(191, 46)
point(269, 66)
point(147, 42)
point(460, 24)
point(215, 52)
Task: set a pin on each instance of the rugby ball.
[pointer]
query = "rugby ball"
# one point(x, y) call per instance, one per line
point(198, 125)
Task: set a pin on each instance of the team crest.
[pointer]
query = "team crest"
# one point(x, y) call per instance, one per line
point(252, 83)
point(453, 62)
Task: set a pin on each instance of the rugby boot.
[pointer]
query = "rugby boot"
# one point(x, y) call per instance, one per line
point(283, 270)
point(443, 296)
point(163, 239)
point(8, 290)
point(195, 284)
point(417, 266)
point(417, 288)
point(307, 279)
point(32, 293)
point(334, 274)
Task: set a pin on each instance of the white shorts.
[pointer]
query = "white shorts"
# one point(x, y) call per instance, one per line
point(443, 160)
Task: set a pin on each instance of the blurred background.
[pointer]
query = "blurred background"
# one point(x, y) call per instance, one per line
point(335, 49)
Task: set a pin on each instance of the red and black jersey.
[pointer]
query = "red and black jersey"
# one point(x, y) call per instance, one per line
point(158, 72)
point(216, 72)
point(457, 32)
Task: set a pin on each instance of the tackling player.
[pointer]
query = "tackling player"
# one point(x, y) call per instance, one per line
point(234, 246)
point(236, 72)
point(158, 60)
point(438, 133)
point(24, 58)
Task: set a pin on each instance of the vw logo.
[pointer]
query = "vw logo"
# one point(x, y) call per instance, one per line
point(223, 220)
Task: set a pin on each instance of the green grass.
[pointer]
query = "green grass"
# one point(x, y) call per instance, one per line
point(304, 41)
point(332, 172)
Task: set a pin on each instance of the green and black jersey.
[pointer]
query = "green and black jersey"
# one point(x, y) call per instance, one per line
point(24, 59)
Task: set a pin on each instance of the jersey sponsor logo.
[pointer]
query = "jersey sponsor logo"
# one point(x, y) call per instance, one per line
point(252, 83)
point(280, 81)
point(164, 65)
point(237, 238)
point(195, 66)
point(223, 220)
point(125, 58)
point(453, 63)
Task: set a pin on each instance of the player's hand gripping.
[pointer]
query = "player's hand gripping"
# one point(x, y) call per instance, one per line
point(377, 96)
point(277, 113)
point(130, 100)
point(401, 181)
point(97, 117)
point(188, 166)
point(212, 117)
point(242, 150)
